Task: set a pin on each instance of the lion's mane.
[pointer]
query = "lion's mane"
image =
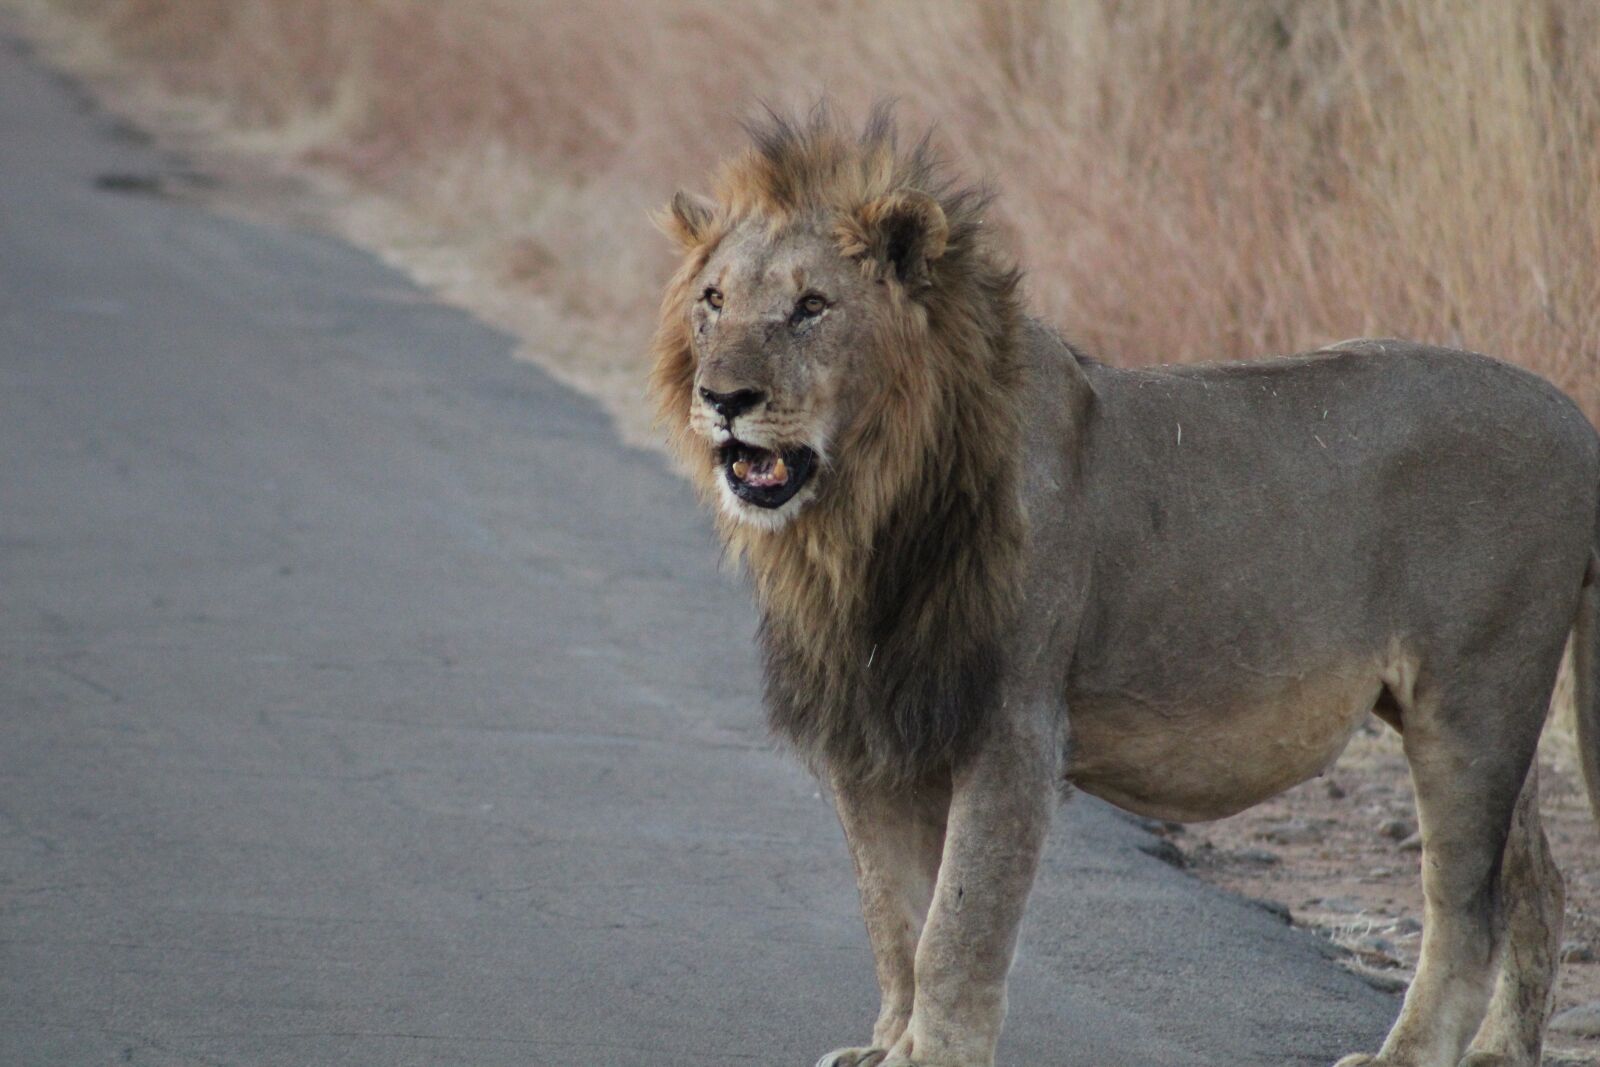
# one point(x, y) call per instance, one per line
point(884, 601)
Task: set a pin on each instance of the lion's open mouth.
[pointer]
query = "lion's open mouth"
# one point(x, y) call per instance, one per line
point(763, 477)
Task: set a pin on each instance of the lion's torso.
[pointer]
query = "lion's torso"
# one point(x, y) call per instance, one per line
point(1253, 552)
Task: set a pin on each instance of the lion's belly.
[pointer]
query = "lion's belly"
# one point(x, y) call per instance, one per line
point(1209, 761)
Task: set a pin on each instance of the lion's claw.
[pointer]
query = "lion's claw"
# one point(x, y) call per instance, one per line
point(853, 1057)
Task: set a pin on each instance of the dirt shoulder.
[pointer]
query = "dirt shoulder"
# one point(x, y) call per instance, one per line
point(1339, 854)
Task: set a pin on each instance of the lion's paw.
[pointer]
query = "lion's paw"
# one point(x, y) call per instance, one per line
point(1361, 1059)
point(853, 1057)
point(1494, 1059)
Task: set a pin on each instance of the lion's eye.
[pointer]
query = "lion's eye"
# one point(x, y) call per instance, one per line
point(713, 296)
point(811, 305)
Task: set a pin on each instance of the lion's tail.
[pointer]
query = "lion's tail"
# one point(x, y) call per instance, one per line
point(1586, 680)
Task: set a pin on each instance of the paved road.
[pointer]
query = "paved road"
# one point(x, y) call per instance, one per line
point(362, 702)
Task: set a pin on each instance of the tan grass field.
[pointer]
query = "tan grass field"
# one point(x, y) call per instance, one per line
point(1183, 180)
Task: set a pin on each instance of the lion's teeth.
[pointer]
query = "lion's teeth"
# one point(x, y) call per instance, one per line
point(780, 473)
point(741, 469)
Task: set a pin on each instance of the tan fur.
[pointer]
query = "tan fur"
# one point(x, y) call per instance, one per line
point(1178, 588)
point(1208, 763)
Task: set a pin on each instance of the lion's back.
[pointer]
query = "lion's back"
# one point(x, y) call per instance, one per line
point(1350, 411)
point(1358, 482)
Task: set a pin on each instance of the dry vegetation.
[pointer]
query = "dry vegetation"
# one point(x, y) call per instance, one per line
point(1184, 180)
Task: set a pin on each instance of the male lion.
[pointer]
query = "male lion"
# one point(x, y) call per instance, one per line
point(988, 566)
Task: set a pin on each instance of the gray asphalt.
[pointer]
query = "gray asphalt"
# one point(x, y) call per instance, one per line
point(363, 701)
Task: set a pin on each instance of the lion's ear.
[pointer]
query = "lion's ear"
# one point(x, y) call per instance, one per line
point(687, 219)
point(905, 231)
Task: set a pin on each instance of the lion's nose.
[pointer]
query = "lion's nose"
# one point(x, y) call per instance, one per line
point(732, 405)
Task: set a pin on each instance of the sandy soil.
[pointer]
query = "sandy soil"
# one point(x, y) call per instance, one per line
point(1338, 854)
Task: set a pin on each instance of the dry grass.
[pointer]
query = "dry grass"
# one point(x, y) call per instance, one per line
point(1185, 180)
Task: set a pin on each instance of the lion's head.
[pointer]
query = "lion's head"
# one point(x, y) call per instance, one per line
point(780, 325)
point(836, 363)
point(801, 338)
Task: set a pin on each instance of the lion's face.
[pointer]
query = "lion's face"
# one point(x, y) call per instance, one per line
point(781, 331)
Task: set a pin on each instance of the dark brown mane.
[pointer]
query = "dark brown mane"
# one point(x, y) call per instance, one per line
point(885, 601)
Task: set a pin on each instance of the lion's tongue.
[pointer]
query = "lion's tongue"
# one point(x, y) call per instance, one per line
point(765, 471)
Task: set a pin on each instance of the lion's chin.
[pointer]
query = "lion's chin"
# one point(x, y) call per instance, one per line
point(769, 520)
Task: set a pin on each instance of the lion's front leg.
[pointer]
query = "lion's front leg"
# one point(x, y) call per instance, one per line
point(1000, 810)
point(895, 840)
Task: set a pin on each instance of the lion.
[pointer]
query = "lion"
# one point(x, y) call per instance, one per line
point(991, 569)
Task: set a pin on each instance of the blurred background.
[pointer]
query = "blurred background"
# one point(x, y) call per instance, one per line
point(1183, 180)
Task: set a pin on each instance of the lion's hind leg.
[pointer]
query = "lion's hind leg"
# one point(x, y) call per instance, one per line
point(1512, 1034)
point(1469, 735)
